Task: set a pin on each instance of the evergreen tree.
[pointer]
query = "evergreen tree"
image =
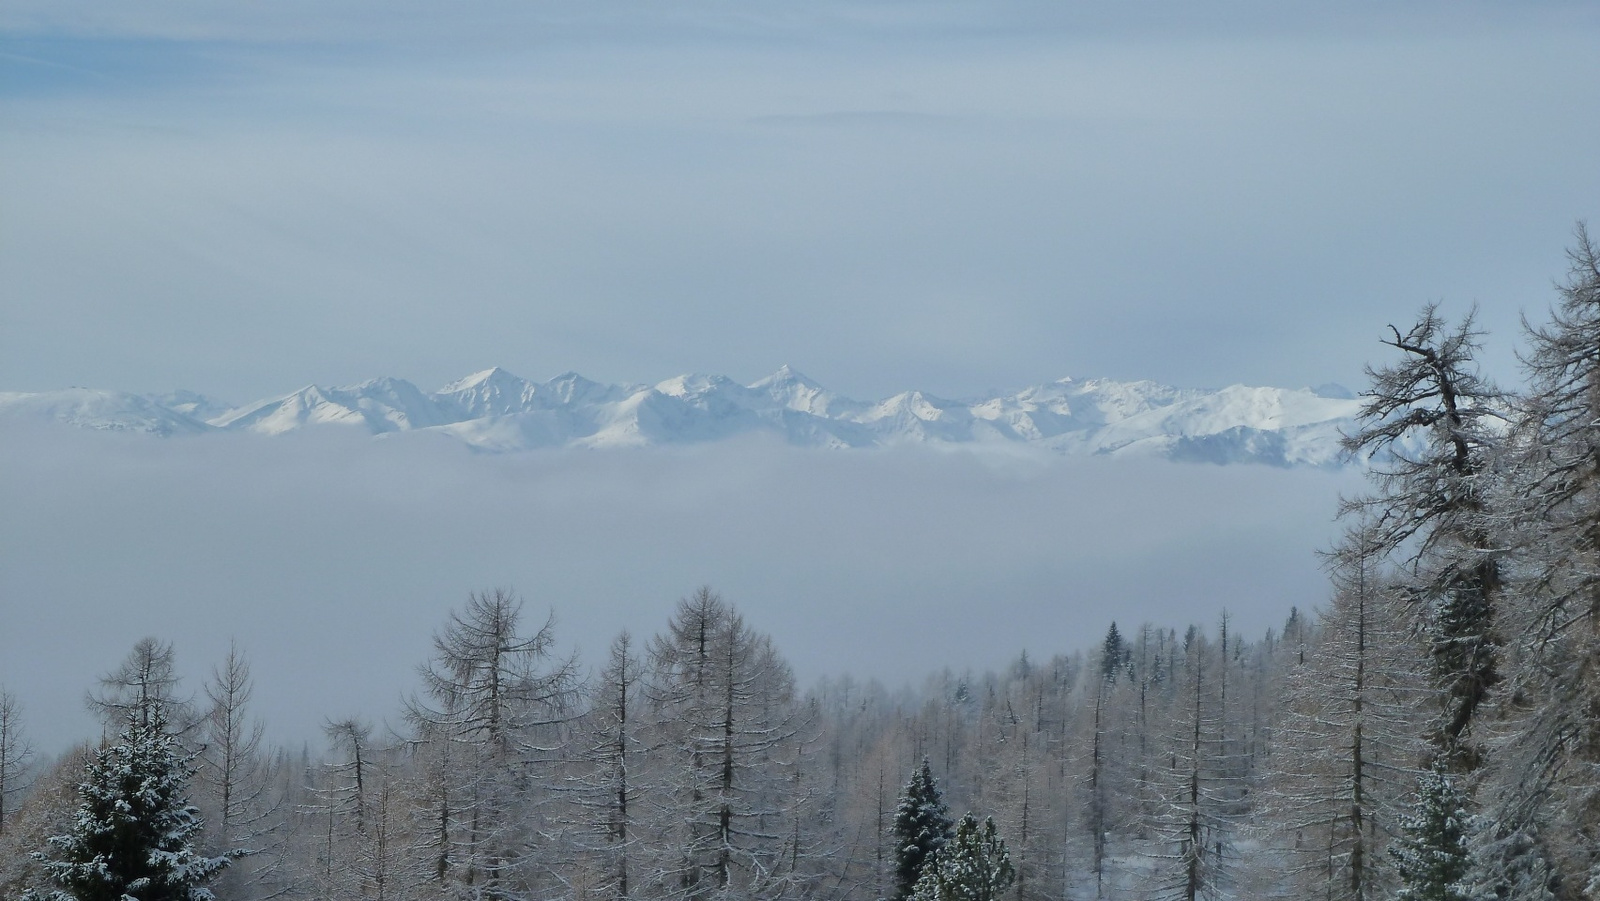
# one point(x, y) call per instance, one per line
point(973, 866)
point(1432, 856)
point(1114, 652)
point(134, 828)
point(922, 826)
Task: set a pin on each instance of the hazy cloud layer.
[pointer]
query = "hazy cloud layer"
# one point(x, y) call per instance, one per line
point(332, 560)
point(957, 196)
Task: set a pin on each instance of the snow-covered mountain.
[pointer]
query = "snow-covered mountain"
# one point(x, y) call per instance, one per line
point(111, 411)
point(495, 410)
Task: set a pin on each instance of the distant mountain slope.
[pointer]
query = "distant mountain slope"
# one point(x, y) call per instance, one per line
point(497, 411)
point(111, 411)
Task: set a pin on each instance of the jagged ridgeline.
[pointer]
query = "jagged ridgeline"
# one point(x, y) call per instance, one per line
point(1428, 729)
point(497, 411)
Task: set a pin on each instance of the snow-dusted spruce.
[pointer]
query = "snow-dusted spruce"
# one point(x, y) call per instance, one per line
point(922, 826)
point(1431, 855)
point(1436, 424)
point(133, 838)
point(973, 866)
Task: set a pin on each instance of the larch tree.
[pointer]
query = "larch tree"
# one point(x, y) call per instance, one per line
point(1543, 796)
point(1350, 742)
point(242, 800)
point(607, 787)
point(1431, 425)
point(725, 717)
point(144, 685)
point(492, 693)
point(1196, 785)
point(16, 752)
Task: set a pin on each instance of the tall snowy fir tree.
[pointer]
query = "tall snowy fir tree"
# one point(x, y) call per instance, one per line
point(922, 827)
point(135, 829)
point(1431, 855)
point(973, 866)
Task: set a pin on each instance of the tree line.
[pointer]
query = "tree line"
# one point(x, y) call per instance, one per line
point(1431, 732)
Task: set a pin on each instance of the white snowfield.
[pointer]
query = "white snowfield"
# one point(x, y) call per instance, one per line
point(496, 411)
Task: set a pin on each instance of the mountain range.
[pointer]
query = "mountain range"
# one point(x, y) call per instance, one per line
point(497, 411)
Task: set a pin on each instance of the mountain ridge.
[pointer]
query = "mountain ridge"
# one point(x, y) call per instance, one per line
point(494, 410)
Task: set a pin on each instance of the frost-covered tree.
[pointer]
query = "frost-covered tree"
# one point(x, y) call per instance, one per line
point(237, 784)
point(1197, 785)
point(15, 754)
point(135, 830)
point(922, 826)
point(1350, 740)
point(1113, 656)
point(1432, 425)
point(1114, 653)
point(607, 787)
point(491, 695)
point(973, 866)
point(725, 721)
point(1431, 855)
point(144, 685)
point(1544, 795)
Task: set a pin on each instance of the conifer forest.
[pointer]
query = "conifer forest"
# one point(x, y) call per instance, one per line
point(1428, 729)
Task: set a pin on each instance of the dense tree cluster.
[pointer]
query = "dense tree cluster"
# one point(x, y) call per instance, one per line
point(1433, 732)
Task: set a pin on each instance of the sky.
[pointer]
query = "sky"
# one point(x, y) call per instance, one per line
point(957, 197)
point(241, 199)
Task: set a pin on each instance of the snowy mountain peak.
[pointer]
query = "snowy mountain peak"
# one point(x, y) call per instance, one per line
point(792, 390)
point(786, 376)
point(492, 375)
point(572, 388)
point(492, 392)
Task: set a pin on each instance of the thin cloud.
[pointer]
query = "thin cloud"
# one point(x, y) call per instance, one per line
point(332, 559)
